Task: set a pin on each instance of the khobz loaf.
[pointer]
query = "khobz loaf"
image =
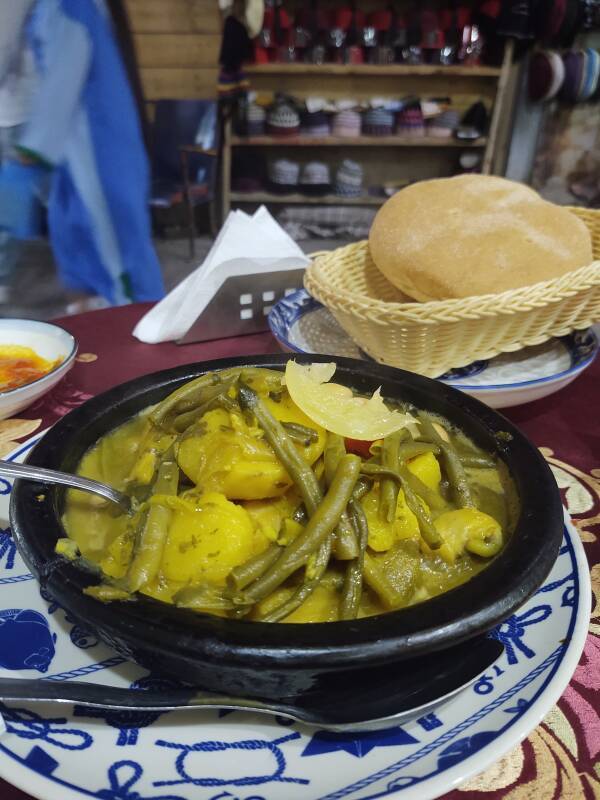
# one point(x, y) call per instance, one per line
point(474, 235)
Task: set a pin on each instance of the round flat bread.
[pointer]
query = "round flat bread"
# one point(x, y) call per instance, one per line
point(473, 235)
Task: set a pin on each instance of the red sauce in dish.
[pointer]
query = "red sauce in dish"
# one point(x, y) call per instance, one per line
point(21, 365)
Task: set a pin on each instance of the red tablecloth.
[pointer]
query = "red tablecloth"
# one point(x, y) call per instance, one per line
point(560, 759)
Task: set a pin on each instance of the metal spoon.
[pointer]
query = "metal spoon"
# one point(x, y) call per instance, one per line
point(115, 699)
point(8, 469)
point(357, 706)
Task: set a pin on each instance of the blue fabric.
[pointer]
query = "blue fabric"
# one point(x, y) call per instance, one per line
point(9, 247)
point(81, 264)
point(19, 187)
point(98, 207)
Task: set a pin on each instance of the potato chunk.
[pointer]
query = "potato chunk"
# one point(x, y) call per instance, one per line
point(227, 455)
point(468, 529)
point(207, 541)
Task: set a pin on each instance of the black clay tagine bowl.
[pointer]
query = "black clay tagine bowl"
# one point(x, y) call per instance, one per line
point(300, 663)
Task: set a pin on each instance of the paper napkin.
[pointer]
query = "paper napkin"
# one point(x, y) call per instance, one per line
point(246, 245)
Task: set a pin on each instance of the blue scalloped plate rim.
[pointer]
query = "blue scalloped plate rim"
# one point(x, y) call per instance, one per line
point(510, 699)
point(582, 347)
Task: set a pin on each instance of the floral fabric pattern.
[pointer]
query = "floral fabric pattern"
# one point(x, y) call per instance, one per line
point(560, 760)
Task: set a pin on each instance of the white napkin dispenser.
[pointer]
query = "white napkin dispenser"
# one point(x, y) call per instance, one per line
point(241, 306)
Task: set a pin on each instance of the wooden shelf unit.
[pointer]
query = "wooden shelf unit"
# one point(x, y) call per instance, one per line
point(374, 70)
point(352, 141)
point(429, 156)
point(305, 199)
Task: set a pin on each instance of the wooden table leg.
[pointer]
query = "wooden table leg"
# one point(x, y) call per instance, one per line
point(188, 201)
point(226, 171)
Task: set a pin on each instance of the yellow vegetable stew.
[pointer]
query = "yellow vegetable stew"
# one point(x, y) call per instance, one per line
point(245, 507)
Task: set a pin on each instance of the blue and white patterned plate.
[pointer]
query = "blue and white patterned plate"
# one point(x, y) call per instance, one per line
point(301, 324)
point(69, 755)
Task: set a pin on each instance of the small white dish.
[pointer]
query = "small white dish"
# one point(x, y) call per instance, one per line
point(48, 341)
point(301, 324)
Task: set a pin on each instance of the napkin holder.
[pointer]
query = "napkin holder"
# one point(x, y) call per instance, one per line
point(241, 305)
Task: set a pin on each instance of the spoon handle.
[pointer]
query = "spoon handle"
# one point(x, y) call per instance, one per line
point(9, 469)
point(112, 698)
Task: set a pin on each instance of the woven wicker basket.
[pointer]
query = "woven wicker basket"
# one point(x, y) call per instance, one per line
point(433, 337)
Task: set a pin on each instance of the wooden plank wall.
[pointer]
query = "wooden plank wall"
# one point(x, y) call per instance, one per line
point(177, 44)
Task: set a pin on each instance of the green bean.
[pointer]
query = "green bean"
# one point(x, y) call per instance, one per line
point(403, 476)
point(300, 472)
point(317, 570)
point(333, 580)
point(432, 498)
point(377, 580)
point(216, 399)
point(194, 393)
point(378, 473)
point(244, 574)
point(285, 450)
point(300, 433)
point(413, 449)
point(190, 395)
point(321, 524)
point(477, 462)
point(454, 468)
point(353, 583)
point(363, 486)
point(426, 526)
point(223, 401)
point(388, 488)
point(375, 450)
point(270, 378)
point(346, 544)
point(155, 529)
point(202, 598)
point(352, 590)
point(183, 421)
point(335, 449)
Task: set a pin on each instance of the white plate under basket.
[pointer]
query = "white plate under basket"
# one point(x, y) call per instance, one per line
point(301, 324)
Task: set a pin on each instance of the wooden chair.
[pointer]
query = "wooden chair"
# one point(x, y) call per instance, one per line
point(185, 148)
